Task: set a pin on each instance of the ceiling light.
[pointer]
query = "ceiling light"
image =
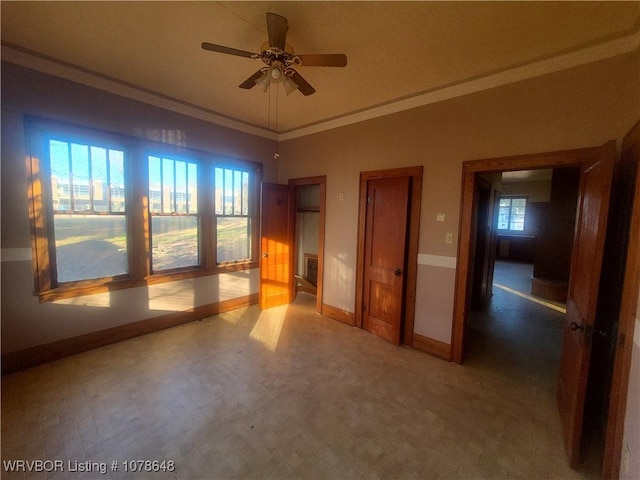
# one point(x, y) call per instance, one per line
point(275, 73)
point(289, 85)
point(264, 82)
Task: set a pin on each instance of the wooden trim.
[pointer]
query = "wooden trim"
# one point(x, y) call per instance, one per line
point(322, 181)
point(30, 357)
point(137, 206)
point(626, 323)
point(432, 347)
point(579, 157)
point(338, 314)
point(415, 174)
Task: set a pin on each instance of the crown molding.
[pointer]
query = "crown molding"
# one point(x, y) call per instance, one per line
point(86, 77)
point(575, 58)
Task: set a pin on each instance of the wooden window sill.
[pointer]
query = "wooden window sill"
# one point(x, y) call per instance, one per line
point(91, 287)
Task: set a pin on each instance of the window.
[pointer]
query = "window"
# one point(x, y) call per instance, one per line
point(89, 216)
point(173, 207)
point(105, 215)
point(511, 213)
point(233, 223)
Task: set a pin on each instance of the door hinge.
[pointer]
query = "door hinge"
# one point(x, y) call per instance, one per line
point(364, 307)
point(369, 199)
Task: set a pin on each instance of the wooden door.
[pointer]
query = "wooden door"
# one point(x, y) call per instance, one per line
point(480, 279)
point(586, 264)
point(493, 242)
point(384, 256)
point(275, 273)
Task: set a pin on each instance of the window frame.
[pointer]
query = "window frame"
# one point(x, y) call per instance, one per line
point(250, 207)
point(39, 131)
point(187, 159)
point(509, 229)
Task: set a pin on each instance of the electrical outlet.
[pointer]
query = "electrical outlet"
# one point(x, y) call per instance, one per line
point(440, 217)
point(341, 196)
point(625, 458)
point(448, 237)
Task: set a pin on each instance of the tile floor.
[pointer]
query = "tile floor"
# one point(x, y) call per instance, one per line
point(287, 393)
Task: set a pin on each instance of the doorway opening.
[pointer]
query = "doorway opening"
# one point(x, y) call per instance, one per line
point(308, 196)
point(595, 167)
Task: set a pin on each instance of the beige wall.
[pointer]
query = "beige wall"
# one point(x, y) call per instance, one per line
point(25, 321)
point(538, 191)
point(581, 107)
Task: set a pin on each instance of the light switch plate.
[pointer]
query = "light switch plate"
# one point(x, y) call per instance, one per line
point(440, 217)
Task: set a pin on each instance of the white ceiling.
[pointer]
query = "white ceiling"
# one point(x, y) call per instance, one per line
point(400, 54)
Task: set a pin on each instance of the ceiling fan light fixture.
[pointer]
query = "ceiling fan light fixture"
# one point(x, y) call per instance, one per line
point(263, 82)
point(275, 73)
point(289, 85)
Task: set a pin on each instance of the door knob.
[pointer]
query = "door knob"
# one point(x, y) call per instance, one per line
point(265, 254)
point(397, 272)
point(574, 326)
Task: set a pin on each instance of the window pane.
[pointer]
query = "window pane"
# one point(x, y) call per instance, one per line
point(80, 177)
point(155, 185)
point(237, 193)
point(245, 193)
point(90, 246)
point(59, 155)
point(168, 205)
point(192, 172)
point(100, 182)
point(503, 213)
point(233, 239)
point(517, 213)
point(219, 191)
point(228, 192)
point(174, 242)
point(181, 187)
point(116, 176)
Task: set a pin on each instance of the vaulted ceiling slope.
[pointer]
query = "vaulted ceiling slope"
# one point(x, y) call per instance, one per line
point(400, 54)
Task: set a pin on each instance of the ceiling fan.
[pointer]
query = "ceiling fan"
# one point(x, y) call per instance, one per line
point(280, 59)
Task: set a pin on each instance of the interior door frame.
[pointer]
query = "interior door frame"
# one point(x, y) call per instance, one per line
point(415, 203)
point(293, 184)
point(470, 172)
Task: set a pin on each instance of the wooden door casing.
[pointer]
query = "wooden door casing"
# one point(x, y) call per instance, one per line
point(593, 162)
point(385, 256)
point(275, 254)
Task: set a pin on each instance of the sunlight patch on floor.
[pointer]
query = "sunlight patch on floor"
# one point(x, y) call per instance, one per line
point(269, 325)
point(532, 299)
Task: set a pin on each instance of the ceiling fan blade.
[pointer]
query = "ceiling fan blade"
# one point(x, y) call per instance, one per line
point(304, 86)
point(277, 27)
point(251, 81)
point(228, 50)
point(323, 60)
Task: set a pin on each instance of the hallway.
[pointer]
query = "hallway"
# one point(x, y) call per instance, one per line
point(518, 339)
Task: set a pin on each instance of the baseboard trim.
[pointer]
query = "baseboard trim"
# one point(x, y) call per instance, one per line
point(338, 314)
point(432, 347)
point(30, 357)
